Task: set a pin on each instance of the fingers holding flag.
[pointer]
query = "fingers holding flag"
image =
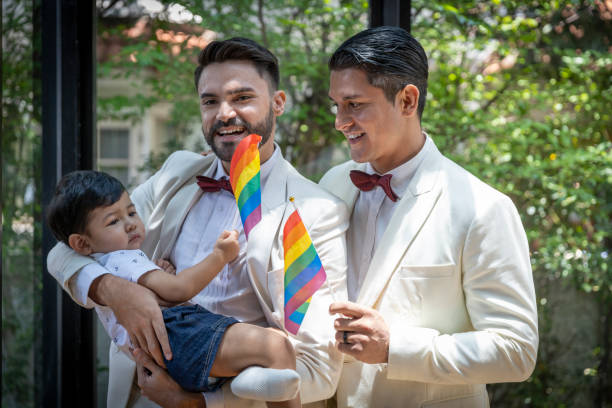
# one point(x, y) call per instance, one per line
point(361, 332)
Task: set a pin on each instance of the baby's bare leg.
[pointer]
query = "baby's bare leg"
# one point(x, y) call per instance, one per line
point(245, 345)
point(251, 347)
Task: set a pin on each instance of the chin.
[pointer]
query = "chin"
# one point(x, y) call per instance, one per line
point(358, 158)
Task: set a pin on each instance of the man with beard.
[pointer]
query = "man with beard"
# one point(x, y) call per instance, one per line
point(237, 81)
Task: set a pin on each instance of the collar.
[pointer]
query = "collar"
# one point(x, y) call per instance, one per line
point(403, 173)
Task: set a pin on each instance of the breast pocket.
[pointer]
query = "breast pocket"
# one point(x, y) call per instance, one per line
point(426, 271)
point(419, 290)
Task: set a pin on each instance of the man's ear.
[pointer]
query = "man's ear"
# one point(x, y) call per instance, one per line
point(409, 100)
point(80, 244)
point(278, 102)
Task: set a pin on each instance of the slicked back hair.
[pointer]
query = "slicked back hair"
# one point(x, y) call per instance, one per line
point(391, 59)
point(240, 49)
point(77, 194)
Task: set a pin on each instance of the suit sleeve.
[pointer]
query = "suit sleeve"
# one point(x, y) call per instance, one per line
point(64, 265)
point(500, 300)
point(318, 362)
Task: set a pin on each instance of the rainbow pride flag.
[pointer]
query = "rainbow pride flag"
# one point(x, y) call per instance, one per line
point(245, 181)
point(304, 273)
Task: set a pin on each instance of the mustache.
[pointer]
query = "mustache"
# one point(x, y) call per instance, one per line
point(231, 122)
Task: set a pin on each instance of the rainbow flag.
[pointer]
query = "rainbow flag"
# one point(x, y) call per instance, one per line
point(245, 181)
point(304, 273)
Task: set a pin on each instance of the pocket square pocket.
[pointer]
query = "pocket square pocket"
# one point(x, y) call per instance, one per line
point(427, 271)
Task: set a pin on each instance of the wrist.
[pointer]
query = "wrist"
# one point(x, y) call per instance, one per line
point(100, 289)
point(220, 256)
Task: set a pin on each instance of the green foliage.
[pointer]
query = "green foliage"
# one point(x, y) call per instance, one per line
point(525, 102)
point(21, 257)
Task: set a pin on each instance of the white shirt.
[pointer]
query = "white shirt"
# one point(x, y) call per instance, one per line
point(128, 264)
point(230, 293)
point(371, 215)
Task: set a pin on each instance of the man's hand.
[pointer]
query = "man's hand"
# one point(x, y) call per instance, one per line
point(367, 333)
point(160, 388)
point(137, 310)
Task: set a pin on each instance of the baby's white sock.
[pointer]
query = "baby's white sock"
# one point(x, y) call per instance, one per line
point(266, 384)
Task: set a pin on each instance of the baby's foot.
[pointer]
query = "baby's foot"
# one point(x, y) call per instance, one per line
point(266, 384)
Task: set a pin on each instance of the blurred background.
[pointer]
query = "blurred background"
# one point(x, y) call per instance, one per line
point(520, 94)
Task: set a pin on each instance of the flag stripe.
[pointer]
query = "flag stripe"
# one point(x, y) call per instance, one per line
point(253, 193)
point(246, 182)
point(240, 151)
point(293, 221)
point(297, 249)
point(308, 273)
point(305, 293)
point(291, 327)
point(304, 261)
point(251, 221)
point(294, 235)
point(249, 173)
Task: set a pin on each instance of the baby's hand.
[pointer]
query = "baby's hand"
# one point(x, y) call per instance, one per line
point(166, 266)
point(227, 245)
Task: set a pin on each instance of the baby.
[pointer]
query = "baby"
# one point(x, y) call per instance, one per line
point(92, 213)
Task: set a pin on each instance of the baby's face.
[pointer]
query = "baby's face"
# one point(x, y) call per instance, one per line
point(115, 227)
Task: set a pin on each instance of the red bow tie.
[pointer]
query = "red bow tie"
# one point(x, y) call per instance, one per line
point(210, 185)
point(366, 182)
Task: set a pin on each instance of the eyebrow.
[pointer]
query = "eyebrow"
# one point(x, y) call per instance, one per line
point(109, 215)
point(232, 92)
point(346, 98)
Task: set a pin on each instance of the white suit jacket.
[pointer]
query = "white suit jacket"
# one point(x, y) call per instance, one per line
point(452, 278)
point(163, 202)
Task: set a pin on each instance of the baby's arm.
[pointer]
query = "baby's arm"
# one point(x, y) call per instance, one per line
point(166, 266)
point(189, 282)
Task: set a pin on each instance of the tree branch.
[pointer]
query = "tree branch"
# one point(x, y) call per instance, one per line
point(260, 17)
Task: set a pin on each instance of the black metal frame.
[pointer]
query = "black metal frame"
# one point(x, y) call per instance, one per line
point(68, 118)
point(391, 13)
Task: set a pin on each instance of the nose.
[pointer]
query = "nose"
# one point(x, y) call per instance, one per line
point(226, 112)
point(343, 121)
point(130, 225)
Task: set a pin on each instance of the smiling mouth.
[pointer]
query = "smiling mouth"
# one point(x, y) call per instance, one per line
point(354, 137)
point(134, 237)
point(230, 132)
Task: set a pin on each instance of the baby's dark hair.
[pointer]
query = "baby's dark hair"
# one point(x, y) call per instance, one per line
point(77, 194)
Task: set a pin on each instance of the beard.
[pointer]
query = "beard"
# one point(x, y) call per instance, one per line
point(225, 150)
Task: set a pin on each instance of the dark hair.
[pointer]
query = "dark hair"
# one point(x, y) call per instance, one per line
point(390, 57)
point(239, 48)
point(77, 194)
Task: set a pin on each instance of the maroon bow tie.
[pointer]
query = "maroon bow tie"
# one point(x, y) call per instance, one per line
point(366, 182)
point(210, 185)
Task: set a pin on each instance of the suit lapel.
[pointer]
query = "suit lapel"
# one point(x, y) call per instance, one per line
point(409, 216)
point(177, 210)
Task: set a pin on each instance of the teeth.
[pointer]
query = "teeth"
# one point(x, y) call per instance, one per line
point(354, 136)
point(231, 131)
